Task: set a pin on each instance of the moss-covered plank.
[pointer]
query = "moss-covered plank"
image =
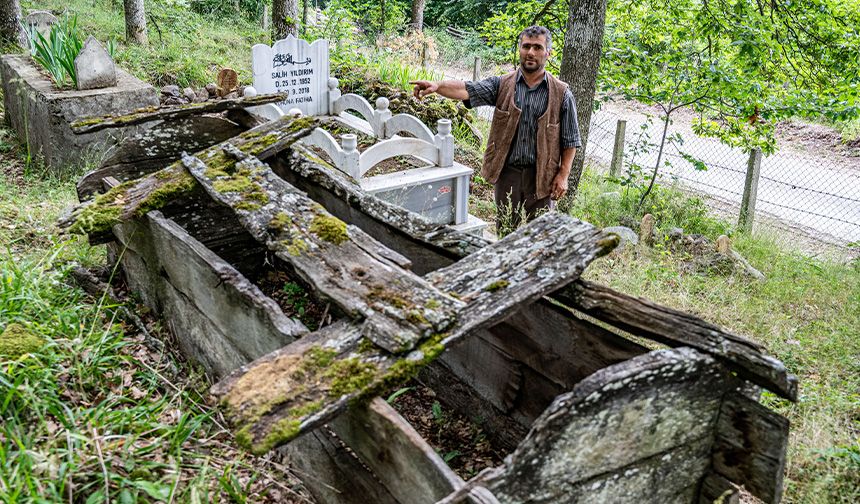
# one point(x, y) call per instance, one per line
point(134, 198)
point(399, 307)
point(299, 387)
point(149, 114)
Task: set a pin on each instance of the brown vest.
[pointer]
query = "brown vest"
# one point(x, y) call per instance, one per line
point(506, 118)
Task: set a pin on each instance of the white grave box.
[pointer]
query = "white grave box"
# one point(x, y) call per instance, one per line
point(296, 67)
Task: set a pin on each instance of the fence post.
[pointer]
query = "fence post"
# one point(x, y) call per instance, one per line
point(476, 70)
point(618, 148)
point(745, 219)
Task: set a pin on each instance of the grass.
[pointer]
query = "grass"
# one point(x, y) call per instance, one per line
point(185, 48)
point(99, 413)
point(806, 312)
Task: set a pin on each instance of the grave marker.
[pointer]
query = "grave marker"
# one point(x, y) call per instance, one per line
point(41, 21)
point(94, 66)
point(294, 66)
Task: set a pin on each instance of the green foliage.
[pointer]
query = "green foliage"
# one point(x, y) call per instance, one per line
point(462, 13)
point(296, 297)
point(368, 14)
point(57, 53)
point(503, 29)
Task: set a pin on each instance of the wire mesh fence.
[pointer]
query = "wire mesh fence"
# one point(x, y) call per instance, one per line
point(814, 196)
point(802, 194)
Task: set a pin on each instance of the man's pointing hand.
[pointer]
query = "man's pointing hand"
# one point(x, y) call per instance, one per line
point(423, 88)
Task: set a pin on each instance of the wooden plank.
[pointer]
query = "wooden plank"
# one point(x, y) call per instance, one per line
point(408, 467)
point(400, 308)
point(172, 184)
point(750, 447)
point(140, 116)
point(332, 472)
point(656, 411)
point(676, 328)
point(304, 389)
point(220, 318)
point(155, 148)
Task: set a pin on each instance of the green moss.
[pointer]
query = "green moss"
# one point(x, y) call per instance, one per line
point(433, 304)
point(258, 145)
point(295, 247)
point(17, 340)
point(417, 318)
point(283, 431)
point(318, 357)
point(94, 218)
point(329, 228)
point(455, 294)
point(366, 346)
point(380, 293)
point(182, 183)
point(247, 206)
point(349, 375)
point(235, 184)
point(497, 286)
point(279, 221)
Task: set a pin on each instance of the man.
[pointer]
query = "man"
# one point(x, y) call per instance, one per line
point(534, 134)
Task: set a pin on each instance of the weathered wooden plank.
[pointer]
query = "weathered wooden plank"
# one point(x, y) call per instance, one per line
point(657, 410)
point(408, 467)
point(155, 148)
point(169, 185)
point(222, 320)
point(676, 328)
point(750, 447)
point(140, 116)
point(313, 379)
point(332, 472)
point(400, 308)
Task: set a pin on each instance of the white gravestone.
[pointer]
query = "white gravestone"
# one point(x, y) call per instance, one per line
point(297, 68)
point(94, 66)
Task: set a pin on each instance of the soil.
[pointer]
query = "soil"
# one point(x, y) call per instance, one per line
point(459, 441)
point(294, 298)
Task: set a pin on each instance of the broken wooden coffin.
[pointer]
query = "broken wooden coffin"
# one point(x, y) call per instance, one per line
point(505, 332)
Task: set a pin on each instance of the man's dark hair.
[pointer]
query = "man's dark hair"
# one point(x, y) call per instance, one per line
point(534, 31)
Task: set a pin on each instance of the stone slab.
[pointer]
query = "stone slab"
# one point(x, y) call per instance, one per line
point(41, 114)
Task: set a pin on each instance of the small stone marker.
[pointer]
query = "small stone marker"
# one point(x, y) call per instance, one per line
point(627, 235)
point(723, 245)
point(94, 66)
point(227, 82)
point(646, 229)
point(41, 20)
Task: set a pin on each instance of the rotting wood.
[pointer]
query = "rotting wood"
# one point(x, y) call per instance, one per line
point(751, 446)
point(718, 490)
point(651, 418)
point(156, 147)
point(676, 328)
point(135, 198)
point(400, 308)
point(313, 379)
point(140, 116)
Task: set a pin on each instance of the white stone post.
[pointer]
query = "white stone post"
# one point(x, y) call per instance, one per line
point(349, 144)
point(333, 94)
point(445, 143)
point(380, 116)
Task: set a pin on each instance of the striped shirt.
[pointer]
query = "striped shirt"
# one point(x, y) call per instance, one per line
point(533, 103)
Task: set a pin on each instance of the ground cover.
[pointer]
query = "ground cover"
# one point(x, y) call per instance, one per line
point(94, 409)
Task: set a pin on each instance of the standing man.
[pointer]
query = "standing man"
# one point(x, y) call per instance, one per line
point(534, 134)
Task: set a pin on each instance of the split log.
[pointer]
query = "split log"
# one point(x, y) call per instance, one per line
point(676, 328)
point(140, 116)
point(135, 198)
point(651, 418)
point(156, 147)
point(310, 381)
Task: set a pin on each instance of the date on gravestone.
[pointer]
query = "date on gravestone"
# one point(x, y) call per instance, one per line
point(293, 66)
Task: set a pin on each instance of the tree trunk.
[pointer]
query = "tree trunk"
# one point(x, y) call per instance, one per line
point(10, 23)
point(135, 22)
point(285, 16)
point(305, 16)
point(418, 14)
point(579, 65)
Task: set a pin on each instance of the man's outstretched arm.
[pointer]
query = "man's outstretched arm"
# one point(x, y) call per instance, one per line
point(455, 89)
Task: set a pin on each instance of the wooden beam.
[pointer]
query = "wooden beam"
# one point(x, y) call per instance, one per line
point(140, 116)
point(676, 328)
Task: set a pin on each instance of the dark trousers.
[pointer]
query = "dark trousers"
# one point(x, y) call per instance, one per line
point(516, 198)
